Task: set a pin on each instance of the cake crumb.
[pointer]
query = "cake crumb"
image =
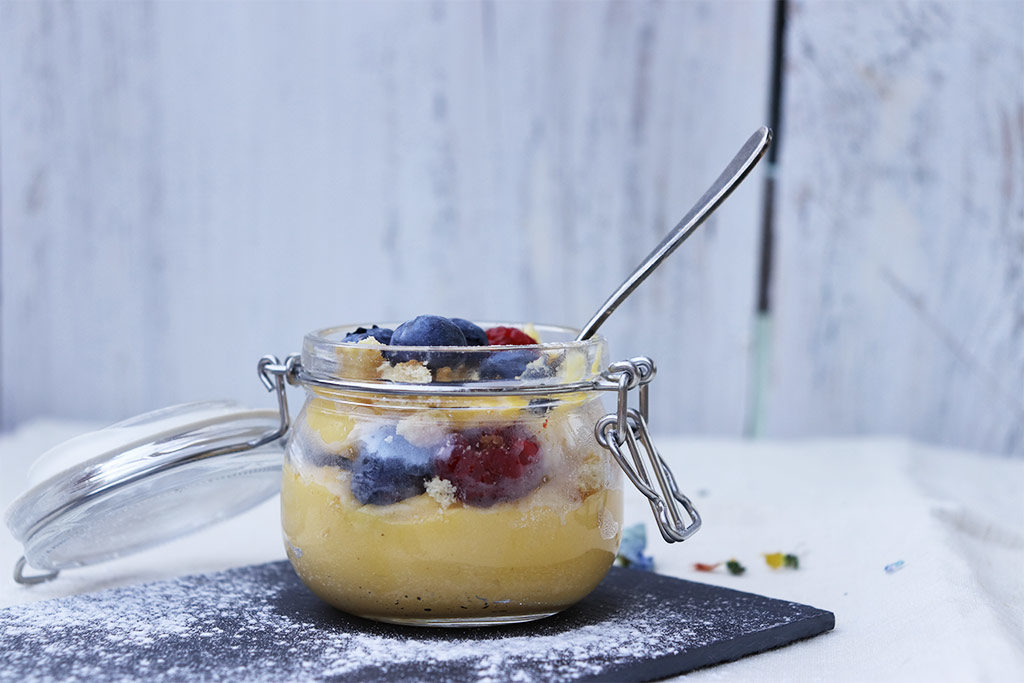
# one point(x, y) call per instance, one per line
point(423, 429)
point(369, 341)
point(593, 475)
point(409, 372)
point(441, 490)
point(361, 362)
point(462, 373)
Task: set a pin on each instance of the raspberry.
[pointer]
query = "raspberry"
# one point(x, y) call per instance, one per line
point(508, 336)
point(488, 466)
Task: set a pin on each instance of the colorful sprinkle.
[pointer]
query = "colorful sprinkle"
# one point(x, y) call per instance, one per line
point(734, 567)
point(779, 560)
point(702, 567)
point(894, 567)
point(631, 550)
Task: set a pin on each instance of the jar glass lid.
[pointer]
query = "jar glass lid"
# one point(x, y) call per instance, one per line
point(145, 481)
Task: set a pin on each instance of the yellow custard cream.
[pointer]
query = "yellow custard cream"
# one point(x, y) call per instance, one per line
point(417, 560)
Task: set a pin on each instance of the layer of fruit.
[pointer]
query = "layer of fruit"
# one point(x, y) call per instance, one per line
point(487, 451)
point(490, 354)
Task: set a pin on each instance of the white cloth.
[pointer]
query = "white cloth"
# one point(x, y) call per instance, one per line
point(846, 508)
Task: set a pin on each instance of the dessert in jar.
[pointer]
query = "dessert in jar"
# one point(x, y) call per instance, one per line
point(439, 473)
point(463, 480)
point(478, 494)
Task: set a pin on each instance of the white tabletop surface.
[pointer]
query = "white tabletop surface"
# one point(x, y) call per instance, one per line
point(846, 508)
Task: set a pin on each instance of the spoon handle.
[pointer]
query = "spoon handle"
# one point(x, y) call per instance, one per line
point(748, 156)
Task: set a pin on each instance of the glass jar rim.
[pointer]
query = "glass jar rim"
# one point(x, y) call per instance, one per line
point(328, 361)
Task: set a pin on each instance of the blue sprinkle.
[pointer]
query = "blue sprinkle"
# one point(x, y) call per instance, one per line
point(631, 550)
point(894, 567)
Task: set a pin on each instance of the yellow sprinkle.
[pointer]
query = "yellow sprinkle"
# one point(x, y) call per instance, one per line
point(774, 560)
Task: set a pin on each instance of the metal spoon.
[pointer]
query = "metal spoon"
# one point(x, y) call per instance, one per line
point(748, 156)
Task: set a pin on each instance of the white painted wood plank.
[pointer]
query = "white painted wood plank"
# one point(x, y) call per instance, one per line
point(187, 186)
point(616, 143)
point(80, 304)
point(899, 298)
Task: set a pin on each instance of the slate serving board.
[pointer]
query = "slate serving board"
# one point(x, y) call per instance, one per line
point(261, 623)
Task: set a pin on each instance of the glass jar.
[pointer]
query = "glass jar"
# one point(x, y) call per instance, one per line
point(447, 486)
point(454, 508)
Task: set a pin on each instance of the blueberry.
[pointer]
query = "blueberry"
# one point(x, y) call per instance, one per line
point(381, 334)
point(388, 469)
point(475, 335)
point(506, 364)
point(427, 330)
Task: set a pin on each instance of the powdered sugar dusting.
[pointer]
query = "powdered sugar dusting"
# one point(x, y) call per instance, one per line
point(260, 623)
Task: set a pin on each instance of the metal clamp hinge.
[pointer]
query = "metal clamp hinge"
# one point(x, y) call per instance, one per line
point(628, 427)
point(31, 580)
point(274, 374)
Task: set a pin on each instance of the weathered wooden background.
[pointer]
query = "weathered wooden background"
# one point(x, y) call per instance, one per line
point(185, 186)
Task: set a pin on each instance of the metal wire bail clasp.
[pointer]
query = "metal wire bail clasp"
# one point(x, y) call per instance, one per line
point(628, 427)
point(273, 373)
